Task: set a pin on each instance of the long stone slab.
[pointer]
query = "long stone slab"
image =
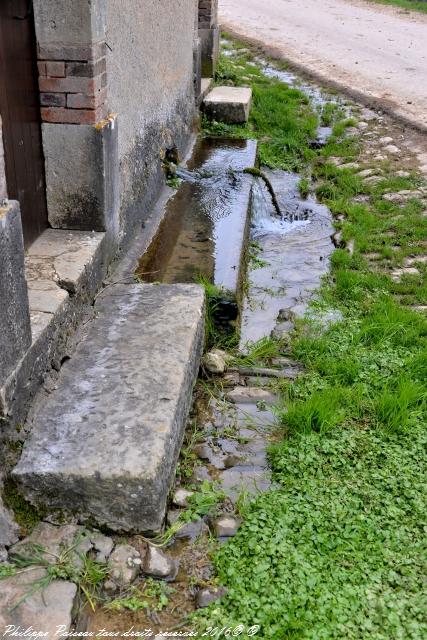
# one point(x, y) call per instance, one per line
point(104, 444)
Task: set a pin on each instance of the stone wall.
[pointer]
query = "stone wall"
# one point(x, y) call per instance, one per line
point(3, 190)
point(151, 88)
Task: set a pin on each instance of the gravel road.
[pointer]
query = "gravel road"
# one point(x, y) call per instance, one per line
point(375, 51)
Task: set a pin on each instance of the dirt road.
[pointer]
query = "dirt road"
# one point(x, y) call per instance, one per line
point(373, 50)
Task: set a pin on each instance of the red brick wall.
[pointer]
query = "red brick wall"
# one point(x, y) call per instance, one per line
point(73, 84)
point(208, 13)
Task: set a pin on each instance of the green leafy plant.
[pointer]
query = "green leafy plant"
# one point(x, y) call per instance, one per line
point(151, 595)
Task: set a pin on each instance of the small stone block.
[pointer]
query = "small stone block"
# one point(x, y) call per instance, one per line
point(229, 104)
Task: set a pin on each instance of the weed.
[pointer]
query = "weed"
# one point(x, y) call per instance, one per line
point(151, 595)
point(67, 565)
point(304, 187)
point(258, 353)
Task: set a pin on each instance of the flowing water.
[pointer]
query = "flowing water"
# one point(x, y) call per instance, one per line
point(205, 225)
point(293, 255)
point(203, 233)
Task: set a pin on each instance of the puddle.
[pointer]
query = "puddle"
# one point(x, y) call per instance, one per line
point(294, 255)
point(204, 228)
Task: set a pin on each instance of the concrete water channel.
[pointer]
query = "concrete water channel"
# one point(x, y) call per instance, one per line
point(222, 224)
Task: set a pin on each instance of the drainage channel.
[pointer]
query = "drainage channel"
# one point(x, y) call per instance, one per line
point(205, 233)
point(204, 230)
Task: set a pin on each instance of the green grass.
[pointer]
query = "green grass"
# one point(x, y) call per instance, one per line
point(405, 4)
point(281, 118)
point(339, 549)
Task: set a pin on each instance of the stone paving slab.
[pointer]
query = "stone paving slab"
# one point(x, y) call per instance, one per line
point(104, 444)
point(229, 104)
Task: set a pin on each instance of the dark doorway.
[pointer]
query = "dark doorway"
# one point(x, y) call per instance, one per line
point(20, 112)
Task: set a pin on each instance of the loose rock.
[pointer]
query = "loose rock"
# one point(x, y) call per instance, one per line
point(181, 496)
point(44, 610)
point(214, 363)
point(225, 526)
point(205, 597)
point(55, 540)
point(125, 564)
point(159, 565)
point(391, 148)
point(203, 452)
point(103, 546)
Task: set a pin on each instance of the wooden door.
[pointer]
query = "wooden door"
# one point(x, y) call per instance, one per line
point(20, 112)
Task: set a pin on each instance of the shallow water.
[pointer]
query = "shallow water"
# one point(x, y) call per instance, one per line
point(294, 251)
point(205, 220)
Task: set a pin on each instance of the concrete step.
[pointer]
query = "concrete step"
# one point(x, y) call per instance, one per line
point(104, 444)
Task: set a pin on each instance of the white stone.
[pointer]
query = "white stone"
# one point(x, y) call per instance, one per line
point(181, 497)
point(213, 363)
point(124, 564)
point(158, 564)
point(391, 148)
point(226, 526)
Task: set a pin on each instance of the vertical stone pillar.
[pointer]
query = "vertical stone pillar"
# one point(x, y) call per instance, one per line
point(79, 134)
point(3, 188)
point(15, 328)
point(209, 34)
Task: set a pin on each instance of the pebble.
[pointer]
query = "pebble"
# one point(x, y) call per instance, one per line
point(103, 545)
point(402, 174)
point(181, 496)
point(391, 148)
point(286, 315)
point(159, 565)
point(225, 526)
point(203, 451)
point(365, 173)
point(386, 140)
point(349, 165)
point(214, 363)
point(205, 597)
point(124, 565)
point(200, 474)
